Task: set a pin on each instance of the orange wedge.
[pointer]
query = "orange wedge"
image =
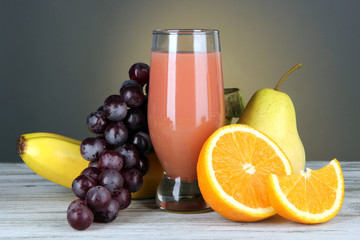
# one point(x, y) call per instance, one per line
point(233, 170)
point(313, 196)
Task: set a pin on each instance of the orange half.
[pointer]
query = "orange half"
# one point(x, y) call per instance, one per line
point(233, 171)
point(313, 196)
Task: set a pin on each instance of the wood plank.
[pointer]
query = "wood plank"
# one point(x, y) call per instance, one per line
point(33, 208)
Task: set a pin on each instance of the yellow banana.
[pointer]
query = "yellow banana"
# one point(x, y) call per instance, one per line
point(52, 156)
point(58, 159)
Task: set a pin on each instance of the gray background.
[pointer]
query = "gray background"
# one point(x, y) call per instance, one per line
point(59, 60)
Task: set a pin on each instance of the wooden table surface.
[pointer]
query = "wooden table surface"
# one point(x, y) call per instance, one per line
point(34, 208)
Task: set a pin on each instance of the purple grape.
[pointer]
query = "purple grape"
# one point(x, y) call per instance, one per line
point(97, 122)
point(144, 165)
point(110, 214)
point(116, 133)
point(130, 154)
point(92, 147)
point(111, 160)
point(111, 180)
point(103, 140)
point(80, 217)
point(133, 179)
point(140, 73)
point(98, 198)
point(142, 142)
point(129, 83)
point(123, 198)
point(75, 203)
point(94, 164)
point(115, 108)
point(92, 172)
point(81, 185)
point(143, 106)
point(135, 119)
point(147, 89)
point(132, 96)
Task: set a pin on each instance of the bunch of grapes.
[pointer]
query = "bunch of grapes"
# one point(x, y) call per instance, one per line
point(117, 154)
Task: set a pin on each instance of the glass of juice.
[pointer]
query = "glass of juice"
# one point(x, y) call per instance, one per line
point(185, 106)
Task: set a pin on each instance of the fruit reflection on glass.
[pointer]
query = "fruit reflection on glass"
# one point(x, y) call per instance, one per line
point(273, 113)
point(186, 105)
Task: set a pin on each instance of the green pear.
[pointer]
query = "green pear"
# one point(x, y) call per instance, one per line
point(273, 113)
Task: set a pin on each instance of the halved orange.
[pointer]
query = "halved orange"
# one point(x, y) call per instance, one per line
point(313, 196)
point(233, 170)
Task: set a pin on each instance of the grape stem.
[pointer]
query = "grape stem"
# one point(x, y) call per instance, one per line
point(287, 74)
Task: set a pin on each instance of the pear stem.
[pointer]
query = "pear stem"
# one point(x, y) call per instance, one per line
point(287, 74)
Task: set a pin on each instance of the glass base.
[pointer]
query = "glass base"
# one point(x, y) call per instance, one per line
point(173, 195)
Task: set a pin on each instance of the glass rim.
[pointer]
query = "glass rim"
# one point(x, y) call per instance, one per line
point(186, 31)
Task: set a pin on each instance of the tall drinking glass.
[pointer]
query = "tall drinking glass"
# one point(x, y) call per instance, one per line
point(185, 106)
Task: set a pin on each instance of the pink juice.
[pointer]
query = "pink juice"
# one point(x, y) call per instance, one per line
point(186, 105)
